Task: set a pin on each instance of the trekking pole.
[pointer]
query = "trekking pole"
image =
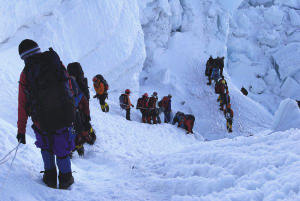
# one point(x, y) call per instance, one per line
point(10, 166)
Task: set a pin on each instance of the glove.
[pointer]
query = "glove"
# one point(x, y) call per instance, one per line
point(96, 96)
point(132, 105)
point(21, 138)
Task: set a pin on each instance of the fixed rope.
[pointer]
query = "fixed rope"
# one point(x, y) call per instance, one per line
point(10, 164)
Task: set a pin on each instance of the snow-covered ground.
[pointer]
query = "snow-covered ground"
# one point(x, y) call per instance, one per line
point(133, 161)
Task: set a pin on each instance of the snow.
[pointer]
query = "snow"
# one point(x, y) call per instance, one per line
point(230, 5)
point(287, 60)
point(290, 89)
point(287, 116)
point(273, 16)
point(294, 17)
point(134, 161)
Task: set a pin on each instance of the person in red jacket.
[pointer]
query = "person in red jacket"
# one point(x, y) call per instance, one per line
point(142, 105)
point(82, 121)
point(127, 103)
point(59, 142)
point(152, 107)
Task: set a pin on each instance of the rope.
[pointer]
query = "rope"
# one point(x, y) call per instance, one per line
point(7, 155)
point(10, 166)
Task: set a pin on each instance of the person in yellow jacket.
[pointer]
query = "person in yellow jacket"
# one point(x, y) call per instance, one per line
point(101, 91)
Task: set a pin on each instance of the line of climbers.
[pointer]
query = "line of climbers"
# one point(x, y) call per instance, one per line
point(151, 109)
point(214, 71)
point(57, 100)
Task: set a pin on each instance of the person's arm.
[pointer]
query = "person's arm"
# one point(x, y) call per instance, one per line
point(85, 106)
point(22, 102)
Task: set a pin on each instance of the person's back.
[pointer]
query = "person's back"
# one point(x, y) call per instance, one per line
point(101, 87)
point(189, 123)
point(142, 105)
point(126, 103)
point(228, 113)
point(45, 95)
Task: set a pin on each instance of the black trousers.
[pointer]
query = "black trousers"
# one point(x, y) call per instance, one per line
point(128, 113)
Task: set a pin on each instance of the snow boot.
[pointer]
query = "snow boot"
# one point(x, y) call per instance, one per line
point(65, 180)
point(50, 178)
point(230, 130)
point(105, 108)
point(80, 149)
point(93, 134)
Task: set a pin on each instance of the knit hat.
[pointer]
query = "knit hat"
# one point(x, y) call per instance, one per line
point(27, 48)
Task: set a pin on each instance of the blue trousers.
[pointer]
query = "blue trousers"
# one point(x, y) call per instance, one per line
point(63, 164)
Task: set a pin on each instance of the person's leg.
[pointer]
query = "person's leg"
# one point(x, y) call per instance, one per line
point(230, 125)
point(50, 174)
point(128, 114)
point(143, 116)
point(62, 145)
point(102, 102)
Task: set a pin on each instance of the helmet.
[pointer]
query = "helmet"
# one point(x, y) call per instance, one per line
point(155, 93)
point(170, 95)
point(146, 95)
point(127, 91)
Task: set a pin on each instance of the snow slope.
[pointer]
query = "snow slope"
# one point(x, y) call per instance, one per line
point(130, 160)
point(176, 60)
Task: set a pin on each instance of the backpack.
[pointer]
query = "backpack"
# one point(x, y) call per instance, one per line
point(164, 102)
point(228, 114)
point(104, 82)
point(76, 92)
point(122, 101)
point(244, 91)
point(216, 73)
point(52, 99)
point(190, 117)
point(76, 67)
point(179, 113)
point(81, 81)
point(152, 102)
point(139, 103)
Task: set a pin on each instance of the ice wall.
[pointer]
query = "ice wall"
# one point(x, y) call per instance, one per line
point(264, 48)
point(104, 36)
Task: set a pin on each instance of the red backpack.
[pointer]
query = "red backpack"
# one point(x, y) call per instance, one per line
point(164, 102)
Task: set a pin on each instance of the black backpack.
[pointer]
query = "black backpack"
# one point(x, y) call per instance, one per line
point(101, 78)
point(76, 67)
point(122, 100)
point(83, 85)
point(51, 97)
point(80, 79)
point(244, 91)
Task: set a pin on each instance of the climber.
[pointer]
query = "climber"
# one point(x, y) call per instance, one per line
point(228, 113)
point(125, 103)
point(101, 87)
point(142, 105)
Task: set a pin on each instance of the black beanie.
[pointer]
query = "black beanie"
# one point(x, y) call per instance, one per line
point(27, 48)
